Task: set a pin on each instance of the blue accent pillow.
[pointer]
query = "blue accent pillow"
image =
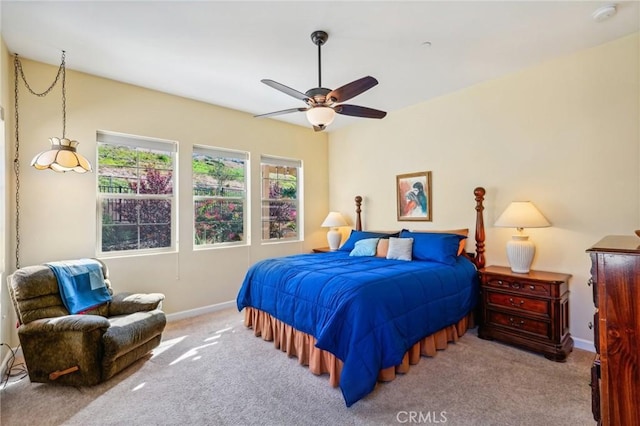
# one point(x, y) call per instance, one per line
point(436, 247)
point(355, 236)
point(366, 247)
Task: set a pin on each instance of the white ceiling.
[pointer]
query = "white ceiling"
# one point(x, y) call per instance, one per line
point(218, 52)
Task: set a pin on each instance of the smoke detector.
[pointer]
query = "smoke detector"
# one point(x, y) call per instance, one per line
point(603, 13)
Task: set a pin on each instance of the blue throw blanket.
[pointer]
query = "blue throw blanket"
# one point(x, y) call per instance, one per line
point(367, 311)
point(81, 284)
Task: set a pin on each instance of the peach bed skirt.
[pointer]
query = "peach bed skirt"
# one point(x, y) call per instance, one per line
point(301, 345)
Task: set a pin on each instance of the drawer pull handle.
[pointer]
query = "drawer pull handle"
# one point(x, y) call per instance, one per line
point(515, 285)
point(516, 324)
point(499, 282)
point(514, 303)
point(532, 287)
point(590, 325)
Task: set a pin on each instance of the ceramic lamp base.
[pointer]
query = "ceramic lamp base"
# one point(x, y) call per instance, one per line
point(333, 238)
point(520, 253)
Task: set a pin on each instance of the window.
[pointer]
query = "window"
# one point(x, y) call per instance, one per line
point(280, 198)
point(136, 194)
point(219, 196)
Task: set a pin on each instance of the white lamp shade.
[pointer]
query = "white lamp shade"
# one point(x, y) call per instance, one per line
point(522, 214)
point(520, 251)
point(321, 116)
point(334, 220)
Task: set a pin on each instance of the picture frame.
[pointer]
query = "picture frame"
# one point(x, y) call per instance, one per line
point(414, 196)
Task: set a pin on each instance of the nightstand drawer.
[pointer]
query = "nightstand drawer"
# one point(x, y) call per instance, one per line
point(532, 288)
point(538, 306)
point(518, 323)
point(527, 310)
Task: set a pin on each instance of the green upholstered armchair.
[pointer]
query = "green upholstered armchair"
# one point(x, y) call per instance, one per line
point(84, 349)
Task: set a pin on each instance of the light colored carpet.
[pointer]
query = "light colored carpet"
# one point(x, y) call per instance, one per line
point(211, 370)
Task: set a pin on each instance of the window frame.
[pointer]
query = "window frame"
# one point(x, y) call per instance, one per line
point(217, 152)
point(272, 160)
point(137, 142)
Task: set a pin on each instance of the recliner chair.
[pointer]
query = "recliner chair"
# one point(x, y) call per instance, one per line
point(85, 349)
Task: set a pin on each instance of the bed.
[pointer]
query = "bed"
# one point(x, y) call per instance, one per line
point(364, 318)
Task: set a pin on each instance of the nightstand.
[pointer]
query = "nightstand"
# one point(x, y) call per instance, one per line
point(530, 311)
point(321, 250)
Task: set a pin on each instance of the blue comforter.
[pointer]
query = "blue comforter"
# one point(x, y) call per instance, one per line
point(367, 311)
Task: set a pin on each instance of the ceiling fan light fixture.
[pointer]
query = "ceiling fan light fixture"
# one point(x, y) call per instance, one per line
point(321, 115)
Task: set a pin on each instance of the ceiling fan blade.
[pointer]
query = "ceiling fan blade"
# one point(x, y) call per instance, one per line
point(359, 111)
point(352, 89)
point(285, 89)
point(284, 111)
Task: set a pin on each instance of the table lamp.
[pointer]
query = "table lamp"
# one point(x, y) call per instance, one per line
point(520, 215)
point(333, 221)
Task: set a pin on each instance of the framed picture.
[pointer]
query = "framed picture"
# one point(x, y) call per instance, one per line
point(414, 196)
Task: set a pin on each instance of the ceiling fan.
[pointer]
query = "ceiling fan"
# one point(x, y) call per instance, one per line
point(323, 103)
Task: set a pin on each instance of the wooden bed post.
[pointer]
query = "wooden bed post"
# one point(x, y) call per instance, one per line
point(358, 211)
point(479, 257)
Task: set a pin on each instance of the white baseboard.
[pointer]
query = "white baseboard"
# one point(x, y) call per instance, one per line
point(583, 344)
point(199, 311)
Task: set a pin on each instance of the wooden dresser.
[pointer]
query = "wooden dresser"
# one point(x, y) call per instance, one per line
point(615, 277)
point(527, 310)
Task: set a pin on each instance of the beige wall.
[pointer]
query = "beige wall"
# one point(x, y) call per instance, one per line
point(564, 134)
point(6, 309)
point(58, 211)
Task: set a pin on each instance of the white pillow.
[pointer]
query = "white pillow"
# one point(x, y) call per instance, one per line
point(400, 248)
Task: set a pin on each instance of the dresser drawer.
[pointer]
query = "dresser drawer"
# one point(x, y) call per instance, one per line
point(519, 324)
point(595, 389)
point(596, 331)
point(538, 306)
point(594, 288)
point(592, 282)
point(531, 288)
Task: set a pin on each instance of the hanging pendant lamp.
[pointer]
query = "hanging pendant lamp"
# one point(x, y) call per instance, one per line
point(62, 156)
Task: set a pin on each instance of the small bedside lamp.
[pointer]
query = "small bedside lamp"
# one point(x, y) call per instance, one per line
point(520, 215)
point(333, 221)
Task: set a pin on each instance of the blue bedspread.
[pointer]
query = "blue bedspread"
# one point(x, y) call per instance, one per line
point(367, 311)
point(81, 284)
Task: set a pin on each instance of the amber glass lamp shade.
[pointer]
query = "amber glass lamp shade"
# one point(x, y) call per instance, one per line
point(62, 157)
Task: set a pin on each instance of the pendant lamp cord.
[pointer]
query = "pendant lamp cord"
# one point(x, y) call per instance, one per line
point(16, 161)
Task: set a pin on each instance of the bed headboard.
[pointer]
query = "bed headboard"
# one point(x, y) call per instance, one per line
point(478, 257)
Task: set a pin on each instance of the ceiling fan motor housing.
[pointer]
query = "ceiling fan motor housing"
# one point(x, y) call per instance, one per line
point(318, 94)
